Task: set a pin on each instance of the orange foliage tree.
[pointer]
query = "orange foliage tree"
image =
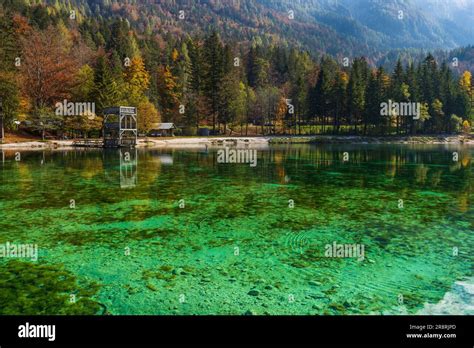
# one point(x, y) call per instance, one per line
point(47, 70)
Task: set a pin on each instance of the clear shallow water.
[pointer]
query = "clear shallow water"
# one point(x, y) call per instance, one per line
point(236, 247)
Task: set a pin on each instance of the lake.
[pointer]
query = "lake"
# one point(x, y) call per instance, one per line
point(309, 229)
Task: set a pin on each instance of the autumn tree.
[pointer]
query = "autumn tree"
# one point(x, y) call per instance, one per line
point(148, 116)
point(137, 81)
point(168, 96)
point(82, 124)
point(47, 70)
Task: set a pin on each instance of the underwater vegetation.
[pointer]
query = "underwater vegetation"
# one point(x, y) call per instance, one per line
point(28, 288)
point(245, 240)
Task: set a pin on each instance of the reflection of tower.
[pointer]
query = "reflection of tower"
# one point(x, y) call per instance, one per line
point(128, 168)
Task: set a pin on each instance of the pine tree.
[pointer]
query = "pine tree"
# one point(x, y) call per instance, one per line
point(229, 100)
point(9, 97)
point(84, 86)
point(464, 97)
point(251, 69)
point(324, 94)
point(8, 44)
point(396, 93)
point(196, 106)
point(438, 116)
point(340, 94)
point(213, 73)
point(356, 92)
point(197, 66)
point(413, 89)
point(106, 92)
point(123, 40)
point(374, 99)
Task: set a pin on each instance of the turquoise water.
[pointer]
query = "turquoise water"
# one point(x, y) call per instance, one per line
point(176, 232)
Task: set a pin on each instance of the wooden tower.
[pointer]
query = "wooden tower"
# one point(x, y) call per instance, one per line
point(120, 126)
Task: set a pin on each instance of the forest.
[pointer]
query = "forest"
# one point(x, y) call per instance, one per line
point(54, 52)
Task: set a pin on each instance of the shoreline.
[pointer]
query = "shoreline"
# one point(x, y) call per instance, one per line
point(258, 141)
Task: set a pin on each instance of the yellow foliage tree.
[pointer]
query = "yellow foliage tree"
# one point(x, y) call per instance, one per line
point(466, 126)
point(137, 81)
point(281, 110)
point(174, 55)
point(465, 82)
point(147, 116)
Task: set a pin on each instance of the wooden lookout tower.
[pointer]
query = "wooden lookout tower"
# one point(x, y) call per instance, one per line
point(120, 126)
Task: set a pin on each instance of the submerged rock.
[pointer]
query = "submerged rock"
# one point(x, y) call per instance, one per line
point(458, 301)
point(253, 292)
point(314, 283)
point(178, 271)
point(347, 304)
point(250, 312)
point(151, 287)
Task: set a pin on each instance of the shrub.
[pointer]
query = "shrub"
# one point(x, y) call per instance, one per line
point(455, 124)
point(466, 126)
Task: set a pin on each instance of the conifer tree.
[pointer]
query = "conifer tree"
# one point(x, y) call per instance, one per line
point(213, 73)
point(106, 92)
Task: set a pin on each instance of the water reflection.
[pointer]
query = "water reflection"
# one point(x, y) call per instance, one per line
point(415, 165)
point(128, 168)
point(121, 166)
point(166, 159)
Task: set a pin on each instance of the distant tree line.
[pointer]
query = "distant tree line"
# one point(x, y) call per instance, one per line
point(201, 81)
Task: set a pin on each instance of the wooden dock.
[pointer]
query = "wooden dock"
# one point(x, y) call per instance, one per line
point(88, 143)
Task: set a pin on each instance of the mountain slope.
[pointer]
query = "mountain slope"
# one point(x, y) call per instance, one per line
point(338, 27)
